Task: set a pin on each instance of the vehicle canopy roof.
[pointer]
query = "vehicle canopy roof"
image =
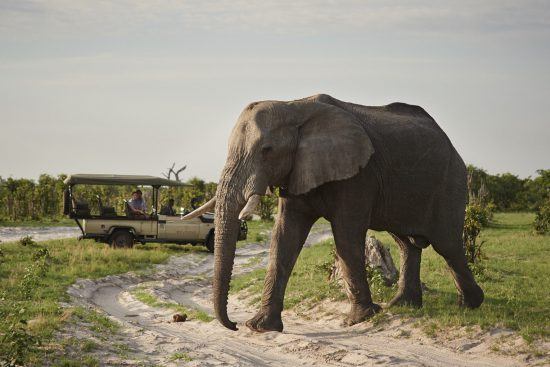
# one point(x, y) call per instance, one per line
point(105, 179)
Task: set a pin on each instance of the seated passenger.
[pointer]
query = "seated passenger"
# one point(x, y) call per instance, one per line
point(137, 205)
point(168, 209)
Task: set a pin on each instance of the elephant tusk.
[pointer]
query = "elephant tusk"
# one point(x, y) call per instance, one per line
point(201, 210)
point(250, 206)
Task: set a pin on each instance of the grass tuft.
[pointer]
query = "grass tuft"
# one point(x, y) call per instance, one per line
point(181, 356)
point(144, 296)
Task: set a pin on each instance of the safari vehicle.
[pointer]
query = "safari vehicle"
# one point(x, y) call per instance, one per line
point(123, 229)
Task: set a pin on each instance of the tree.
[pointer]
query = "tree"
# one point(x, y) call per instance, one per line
point(176, 173)
point(504, 189)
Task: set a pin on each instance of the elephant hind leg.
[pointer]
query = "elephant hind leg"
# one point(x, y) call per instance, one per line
point(452, 250)
point(350, 249)
point(410, 290)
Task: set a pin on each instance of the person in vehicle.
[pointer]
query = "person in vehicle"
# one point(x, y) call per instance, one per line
point(137, 205)
point(168, 208)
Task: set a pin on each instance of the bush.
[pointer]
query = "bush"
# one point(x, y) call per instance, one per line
point(377, 282)
point(268, 203)
point(473, 222)
point(479, 213)
point(16, 342)
point(542, 220)
point(27, 241)
point(260, 237)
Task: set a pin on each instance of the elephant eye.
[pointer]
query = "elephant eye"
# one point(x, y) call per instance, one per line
point(266, 149)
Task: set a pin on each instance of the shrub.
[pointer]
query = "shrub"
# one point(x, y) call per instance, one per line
point(260, 237)
point(473, 222)
point(16, 342)
point(542, 220)
point(479, 213)
point(328, 267)
point(267, 206)
point(479, 205)
point(27, 241)
point(377, 282)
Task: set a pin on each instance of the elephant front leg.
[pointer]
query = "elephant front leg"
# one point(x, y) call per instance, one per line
point(350, 249)
point(410, 289)
point(289, 234)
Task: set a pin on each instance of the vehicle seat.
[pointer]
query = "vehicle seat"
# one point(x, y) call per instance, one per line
point(127, 210)
point(81, 209)
point(105, 211)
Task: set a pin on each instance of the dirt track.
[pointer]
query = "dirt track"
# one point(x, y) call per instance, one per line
point(8, 234)
point(153, 339)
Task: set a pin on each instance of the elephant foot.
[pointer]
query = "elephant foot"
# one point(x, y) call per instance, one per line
point(404, 298)
point(472, 298)
point(264, 322)
point(360, 313)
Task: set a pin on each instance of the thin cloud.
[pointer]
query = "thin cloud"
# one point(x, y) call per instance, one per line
point(62, 17)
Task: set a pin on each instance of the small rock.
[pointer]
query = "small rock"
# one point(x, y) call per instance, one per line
point(179, 317)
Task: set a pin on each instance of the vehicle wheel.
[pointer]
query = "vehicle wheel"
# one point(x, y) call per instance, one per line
point(210, 242)
point(122, 239)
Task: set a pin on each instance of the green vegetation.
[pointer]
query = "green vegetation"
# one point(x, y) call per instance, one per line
point(515, 278)
point(35, 203)
point(308, 284)
point(29, 202)
point(479, 212)
point(267, 206)
point(75, 351)
point(508, 192)
point(257, 232)
point(144, 296)
point(35, 278)
point(473, 222)
point(542, 219)
point(84, 361)
point(181, 356)
point(45, 222)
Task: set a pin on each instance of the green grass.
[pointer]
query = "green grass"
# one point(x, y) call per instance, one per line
point(144, 296)
point(76, 351)
point(35, 279)
point(54, 222)
point(308, 282)
point(181, 356)
point(98, 323)
point(515, 281)
point(257, 232)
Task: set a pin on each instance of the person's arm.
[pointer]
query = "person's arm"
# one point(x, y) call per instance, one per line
point(133, 208)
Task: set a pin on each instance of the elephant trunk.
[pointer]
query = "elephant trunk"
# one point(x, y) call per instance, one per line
point(229, 202)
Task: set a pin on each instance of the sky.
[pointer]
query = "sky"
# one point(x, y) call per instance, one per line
point(131, 87)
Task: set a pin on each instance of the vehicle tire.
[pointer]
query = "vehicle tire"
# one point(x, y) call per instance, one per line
point(210, 242)
point(122, 239)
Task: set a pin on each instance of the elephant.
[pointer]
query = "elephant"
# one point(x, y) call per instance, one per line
point(386, 168)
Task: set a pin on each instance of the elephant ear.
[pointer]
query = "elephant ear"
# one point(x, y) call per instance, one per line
point(332, 146)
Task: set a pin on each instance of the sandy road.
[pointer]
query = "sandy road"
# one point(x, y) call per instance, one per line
point(9, 234)
point(153, 339)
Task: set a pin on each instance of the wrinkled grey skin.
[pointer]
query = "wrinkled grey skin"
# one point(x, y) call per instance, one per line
point(386, 168)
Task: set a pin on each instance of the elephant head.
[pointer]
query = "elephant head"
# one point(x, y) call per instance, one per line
point(297, 145)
